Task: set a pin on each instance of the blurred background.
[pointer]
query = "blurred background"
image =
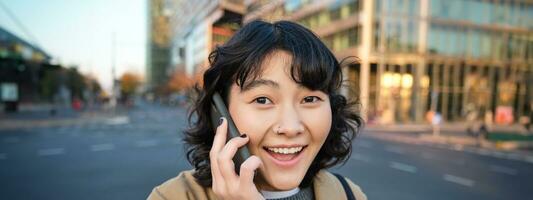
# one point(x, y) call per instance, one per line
point(94, 94)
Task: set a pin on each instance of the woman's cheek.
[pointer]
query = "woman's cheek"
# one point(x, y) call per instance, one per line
point(253, 121)
point(318, 120)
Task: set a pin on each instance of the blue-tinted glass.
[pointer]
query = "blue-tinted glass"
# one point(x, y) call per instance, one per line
point(441, 48)
point(456, 9)
point(485, 45)
point(434, 8)
point(475, 44)
point(461, 42)
point(476, 11)
point(432, 39)
point(452, 42)
point(413, 7)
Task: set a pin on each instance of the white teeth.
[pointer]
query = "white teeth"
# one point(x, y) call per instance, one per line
point(286, 150)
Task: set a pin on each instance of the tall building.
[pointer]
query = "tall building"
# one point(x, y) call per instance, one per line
point(415, 56)
point(22, 69)
point(159, 43)
point(198, 26)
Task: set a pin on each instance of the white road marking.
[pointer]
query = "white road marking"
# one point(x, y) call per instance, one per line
point(529, 159)
point(364, 144)
point(483, 152)
point(102, 147)
point(11, 140)
point(118, 120)
point(360, 157)
point(3, 156)
point(403, 167)
point(51, 151)
point(395, 149)
point(458, 180)
point(503, 170)
point(146, 143)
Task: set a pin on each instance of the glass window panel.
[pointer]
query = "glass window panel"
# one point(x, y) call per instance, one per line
point(485, 44)
point(412, 36)
point(443, 41)
point(345, 11)
point(413, 7)
point(323, 18)
point(434, 8)
point(452, 42)
point(433, 39)
point(456, 9)
point(475, 48)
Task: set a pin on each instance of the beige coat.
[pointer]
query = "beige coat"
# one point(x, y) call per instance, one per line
point(326, 187)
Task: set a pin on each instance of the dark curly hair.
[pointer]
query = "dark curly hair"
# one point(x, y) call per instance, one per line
point(239, 61)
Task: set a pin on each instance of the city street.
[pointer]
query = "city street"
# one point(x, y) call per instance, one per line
point(126, 155)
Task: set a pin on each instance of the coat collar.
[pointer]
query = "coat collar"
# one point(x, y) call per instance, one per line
point(327, 186)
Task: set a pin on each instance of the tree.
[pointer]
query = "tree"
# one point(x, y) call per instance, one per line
point(179, 81)
point(76, 83)
point(129, 82)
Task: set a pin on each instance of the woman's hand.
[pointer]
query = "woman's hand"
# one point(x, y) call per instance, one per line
point(226, 183)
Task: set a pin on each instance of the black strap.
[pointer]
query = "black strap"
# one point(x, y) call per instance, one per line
point(347, 189)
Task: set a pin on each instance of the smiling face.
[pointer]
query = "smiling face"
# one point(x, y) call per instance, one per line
point(286, 122)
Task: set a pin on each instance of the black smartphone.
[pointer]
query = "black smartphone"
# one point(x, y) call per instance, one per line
point(219, 109)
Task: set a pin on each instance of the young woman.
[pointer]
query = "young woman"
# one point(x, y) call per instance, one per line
point(281, 85)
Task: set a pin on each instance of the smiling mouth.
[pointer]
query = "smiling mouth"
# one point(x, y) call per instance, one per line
point(284, 154)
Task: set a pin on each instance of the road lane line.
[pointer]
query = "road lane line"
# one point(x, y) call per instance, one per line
point(360, 157)
point(395, 149)
point(503, 170)
point(146, 143)
point(51, 152)
point(458, 180)
point(3, 156)
point(529, 159)
point(403, 167)
point(102, 147)
point(118, 120)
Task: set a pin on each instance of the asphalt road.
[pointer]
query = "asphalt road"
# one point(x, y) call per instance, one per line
point(124, 157)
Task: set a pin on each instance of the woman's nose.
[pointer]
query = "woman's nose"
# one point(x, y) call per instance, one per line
point(290, 123)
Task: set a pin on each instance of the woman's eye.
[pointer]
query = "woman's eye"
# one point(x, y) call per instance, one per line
point(262, 100)
point(311, 99)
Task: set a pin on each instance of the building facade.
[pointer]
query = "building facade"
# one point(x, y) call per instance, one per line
point(159, 43)
point(414, 56)
point(197, 27)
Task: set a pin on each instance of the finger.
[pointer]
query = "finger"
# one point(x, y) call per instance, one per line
point(248, 169)
point(218, 143)
point(225, 159)
point(220, 136)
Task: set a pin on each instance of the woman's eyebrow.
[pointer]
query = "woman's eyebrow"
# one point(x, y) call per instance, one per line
point(260, 82)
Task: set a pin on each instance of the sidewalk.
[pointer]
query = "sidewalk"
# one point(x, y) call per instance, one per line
point(451, 136)
point(35, 116)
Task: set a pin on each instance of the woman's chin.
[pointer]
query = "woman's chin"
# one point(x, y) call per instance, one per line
point(282, 182)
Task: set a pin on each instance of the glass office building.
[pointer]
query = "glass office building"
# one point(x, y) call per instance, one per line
point(415, 56)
